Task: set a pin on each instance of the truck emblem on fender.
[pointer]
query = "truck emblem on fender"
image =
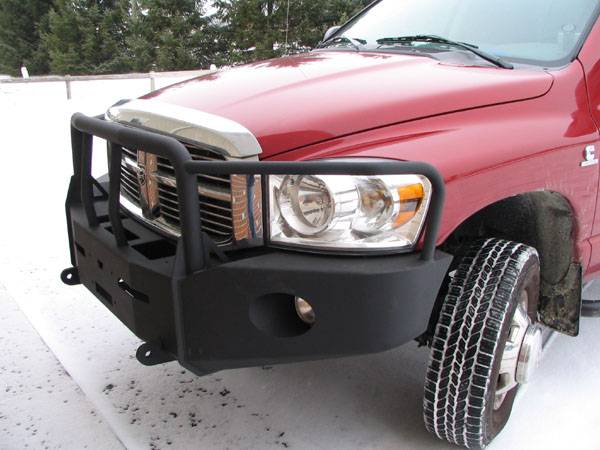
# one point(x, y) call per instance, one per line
point(590, 156)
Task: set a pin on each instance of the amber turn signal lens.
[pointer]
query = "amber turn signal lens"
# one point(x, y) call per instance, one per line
point(411, 197)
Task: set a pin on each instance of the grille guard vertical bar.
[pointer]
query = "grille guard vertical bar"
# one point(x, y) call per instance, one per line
point(74, 193)
point(87, 182)
point(114, 207)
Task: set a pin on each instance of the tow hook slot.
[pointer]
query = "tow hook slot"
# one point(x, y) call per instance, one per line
point(136, 295)
point(152, 355)
point(70, 276)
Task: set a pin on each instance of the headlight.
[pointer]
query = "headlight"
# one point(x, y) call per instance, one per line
point(342, 212)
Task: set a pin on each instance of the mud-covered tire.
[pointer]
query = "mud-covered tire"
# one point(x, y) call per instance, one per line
point(469, 341)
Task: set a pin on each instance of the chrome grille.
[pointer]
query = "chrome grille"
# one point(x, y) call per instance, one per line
point(129, 176)
point(214, 195)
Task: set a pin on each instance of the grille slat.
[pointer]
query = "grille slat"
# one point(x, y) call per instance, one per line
point(217, 224)
point(169, 202)
point(131, 194)
point(215, 216)
point(205, 205)
point(172, 208)
point(167, 194)
point(164, 171)
point(214, 193)
point(130, 178)
point(169, 209)
point(130, 153)
point(128, 184)
point(174, 217)
point(211, 230)
point(213, 178)
point(206, 158)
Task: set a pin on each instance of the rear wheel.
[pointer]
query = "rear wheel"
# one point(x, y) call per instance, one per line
point(487, 343)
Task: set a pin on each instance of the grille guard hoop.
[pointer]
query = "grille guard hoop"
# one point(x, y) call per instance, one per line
point(193, 247)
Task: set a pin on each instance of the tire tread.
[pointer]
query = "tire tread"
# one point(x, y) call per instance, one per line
point(467, 338)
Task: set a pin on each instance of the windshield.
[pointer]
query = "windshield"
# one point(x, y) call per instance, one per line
point(543, 32)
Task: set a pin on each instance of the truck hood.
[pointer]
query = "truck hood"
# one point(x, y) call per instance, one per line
point(293, 102)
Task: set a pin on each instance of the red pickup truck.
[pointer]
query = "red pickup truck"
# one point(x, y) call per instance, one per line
point(428, 173)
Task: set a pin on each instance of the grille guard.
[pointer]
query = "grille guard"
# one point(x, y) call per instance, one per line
point(195, 246)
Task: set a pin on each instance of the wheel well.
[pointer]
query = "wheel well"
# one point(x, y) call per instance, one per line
point(543, 220)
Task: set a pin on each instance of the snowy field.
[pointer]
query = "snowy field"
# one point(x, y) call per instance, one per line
point(69, 379)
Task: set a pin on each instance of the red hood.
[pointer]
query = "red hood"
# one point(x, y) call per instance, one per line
point(296, 101)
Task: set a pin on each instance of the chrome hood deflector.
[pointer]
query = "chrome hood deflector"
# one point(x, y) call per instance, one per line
point(188, 124)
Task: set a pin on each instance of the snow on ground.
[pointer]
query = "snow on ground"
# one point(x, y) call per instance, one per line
point(38, 395)
point(109, 400)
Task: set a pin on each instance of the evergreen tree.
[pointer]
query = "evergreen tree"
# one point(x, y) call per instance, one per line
point(112, 36)
point(170, 35)
point(257, 29)
point(309, 19)
point(88, 36)
point(252, 27)
point(20, 24)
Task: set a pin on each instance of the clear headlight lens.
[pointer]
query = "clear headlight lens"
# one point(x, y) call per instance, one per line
point(348, 212)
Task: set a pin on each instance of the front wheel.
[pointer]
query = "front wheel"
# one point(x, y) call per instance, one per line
point(487, 343)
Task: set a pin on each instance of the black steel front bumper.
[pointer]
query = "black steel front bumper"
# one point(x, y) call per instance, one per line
point(211, 314)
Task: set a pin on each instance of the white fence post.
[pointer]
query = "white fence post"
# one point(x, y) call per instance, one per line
point(68, 83)
point(152, 81)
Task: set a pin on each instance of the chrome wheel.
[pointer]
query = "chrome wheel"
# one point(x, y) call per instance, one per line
point(522, 353)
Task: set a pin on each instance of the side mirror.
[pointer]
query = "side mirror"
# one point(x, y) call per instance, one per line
point(331, 32)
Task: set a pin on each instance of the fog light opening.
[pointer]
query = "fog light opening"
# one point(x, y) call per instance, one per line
point(305, 311)
point(281, 315)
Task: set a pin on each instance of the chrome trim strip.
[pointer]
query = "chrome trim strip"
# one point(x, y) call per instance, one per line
point(189, 124)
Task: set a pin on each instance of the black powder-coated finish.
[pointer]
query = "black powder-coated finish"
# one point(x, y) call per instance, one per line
point(361, 306)
point(211, 314)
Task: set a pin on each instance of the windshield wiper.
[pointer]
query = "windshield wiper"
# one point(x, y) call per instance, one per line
point(357, 44)
point(440, 40)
